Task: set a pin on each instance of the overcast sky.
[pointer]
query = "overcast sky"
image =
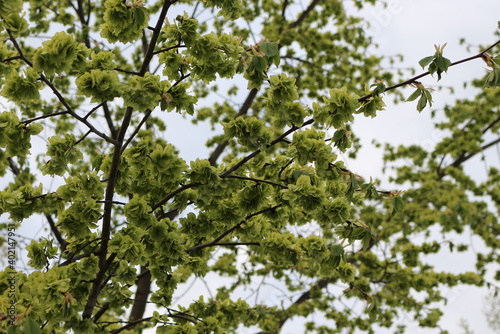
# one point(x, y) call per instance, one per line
point(411, 29)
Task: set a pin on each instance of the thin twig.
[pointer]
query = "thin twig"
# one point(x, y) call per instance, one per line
point(228, 231)
point(255, 180)
point(304, 14)
point(415, 78)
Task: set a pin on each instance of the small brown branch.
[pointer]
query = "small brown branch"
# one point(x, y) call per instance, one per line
point(56, 92)
point(84, 21)
point(235, 167)
point(175, 192)
point(136, 131)
point(6, 60)
point(228, 231)
point(305, 297)
point(274, 142)
point(415, 78)
point(143, 288)
point(464, 156)
point(283, 9)
point(492, 124)
point(300, 60)
point(101, 311)
point(304, 14)
point(72, 113)
point(237, 244)
point(44, 116)
point(83, 137)
point(243, 111)
point(130, 325)
point(113, 202)
point(109, 120)
point(93, 110)
point(255, 180)
point(13, 166)
point(74, 259)
point(57, 234)
point(125, 71)
point(168, 49)
point(154, 38)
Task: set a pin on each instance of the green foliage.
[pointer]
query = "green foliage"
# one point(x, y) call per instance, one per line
point(423, 94)
point(98, 84)
point(58, 55)
point(437, 63)
point(22, 88)
point(63, 152)
point(338, 109)
point(130, 219)
point(123, 22)
point(143, 92)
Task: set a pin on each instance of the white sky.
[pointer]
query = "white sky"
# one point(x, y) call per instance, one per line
point(411, 30)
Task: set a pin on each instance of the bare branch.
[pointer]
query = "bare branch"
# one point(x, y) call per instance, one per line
point(304, 14)
point(415, 78)
point(255, 180)
point(228, 231)
point(243, 111)
point(464, 156)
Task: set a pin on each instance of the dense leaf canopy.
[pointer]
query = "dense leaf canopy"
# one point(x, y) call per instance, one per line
point(130, 222)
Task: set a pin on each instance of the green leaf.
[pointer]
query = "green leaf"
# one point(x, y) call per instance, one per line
point(426, 61)
point(270, 49)
point(31, 327)
point(337, 250)
point(493, 78)
point(259, 63)
point(397, 204)
point(352, 186)
point(97, 161)
point(428, 96)
point(414, 95)
point(422, 102)
point(366, 241)
point(379, 88)
point(139, 16)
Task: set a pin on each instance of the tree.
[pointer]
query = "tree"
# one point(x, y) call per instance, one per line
point(130, 221)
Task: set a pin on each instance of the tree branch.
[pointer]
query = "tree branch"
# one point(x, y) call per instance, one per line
point(305, 297)
point(464, 156)
point(304, 14)
point(106, 221)
point(237, 244)
point(130, 325)
point(143, 284)
point(136, 131)
point(228, 231)
point(232, 169)
point(254, 180)
point(109, 120)
point(274, 142)
point(56, 92)
point(155, 36)
point(415, 78)
point(175, 192)
point(57, 234)
point(243, 111)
